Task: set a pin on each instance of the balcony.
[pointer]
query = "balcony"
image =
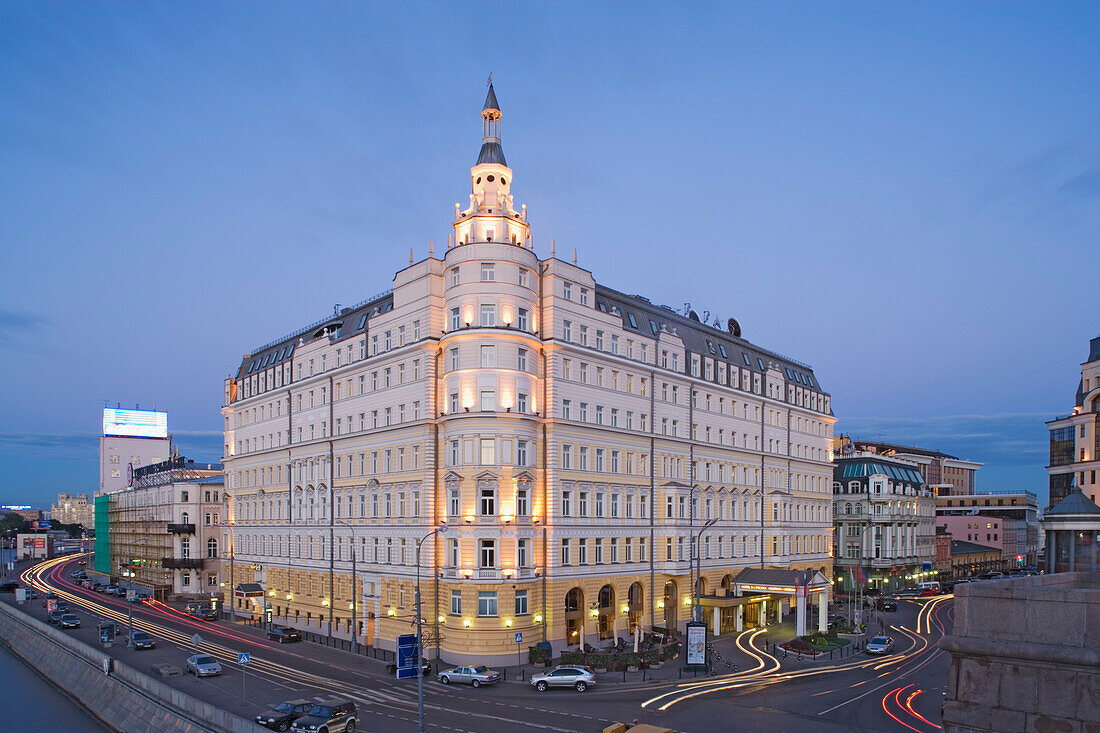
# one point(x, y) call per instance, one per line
point(181, 563)
point(181, 529)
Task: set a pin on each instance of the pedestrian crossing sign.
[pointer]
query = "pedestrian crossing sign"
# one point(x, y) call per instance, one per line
point(243, 658)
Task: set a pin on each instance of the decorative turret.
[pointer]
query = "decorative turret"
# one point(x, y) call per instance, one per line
point(491, 216)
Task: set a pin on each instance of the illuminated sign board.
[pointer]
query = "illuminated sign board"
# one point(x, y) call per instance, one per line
point(16, 507)
point(135, 423)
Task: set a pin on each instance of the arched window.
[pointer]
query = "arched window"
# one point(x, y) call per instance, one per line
point(212, 547)
point(185, 518)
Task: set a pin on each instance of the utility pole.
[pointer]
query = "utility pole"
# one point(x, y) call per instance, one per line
point(419, 636)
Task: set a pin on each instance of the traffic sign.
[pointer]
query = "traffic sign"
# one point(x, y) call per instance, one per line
point(195, 641)
point(243, 658)
point(519, 636)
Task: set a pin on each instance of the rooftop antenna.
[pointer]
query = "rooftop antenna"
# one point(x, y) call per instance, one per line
point(336, 309)
point(574, 255)
point(431, 248)
point(410, 255)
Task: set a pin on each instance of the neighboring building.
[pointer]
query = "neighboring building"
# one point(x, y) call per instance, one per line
point(131, 438)
point(1075, 438)
point(34, 546)
point(70, 509)
point(31, 515)
point(943, 552)
point(969, 559)
point(1016, 514)
point(885, 520)
point(166, 529)
point(1072, 531)
point(570, 438)
point(942, 473)
point(1025, 655)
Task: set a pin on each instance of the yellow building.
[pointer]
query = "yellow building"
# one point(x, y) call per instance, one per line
point(564, 441)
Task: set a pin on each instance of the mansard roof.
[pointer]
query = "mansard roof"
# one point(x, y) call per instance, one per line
point(643, 317)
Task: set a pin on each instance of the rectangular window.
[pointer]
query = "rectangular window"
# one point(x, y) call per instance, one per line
point(521, 403)
point(565, 409)
point(488, 315)
point(523, 277)
point(456, 320)
point(521, 359)
point(521, 319)
point(521, 452)
point(521, 603)
point(521, 503)
point(487, 553)
point(488, 272)
point(567, 330)
point(567, 290)
point(454, 276)
point(566, 503)
point(523, 553)
point(488, 401)
point(488, 357)
point(488, 451)
point(565, 552)
point(456, 602)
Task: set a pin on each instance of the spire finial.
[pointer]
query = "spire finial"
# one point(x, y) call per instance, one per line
point(490, 82)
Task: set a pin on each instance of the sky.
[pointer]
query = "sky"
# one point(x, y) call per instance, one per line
point(904, 195)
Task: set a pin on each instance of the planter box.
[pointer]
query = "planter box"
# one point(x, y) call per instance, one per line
point(601, 670)
point(631, 668)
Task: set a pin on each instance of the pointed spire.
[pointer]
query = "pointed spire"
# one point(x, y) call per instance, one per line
point(491, 98)
point(491, 152)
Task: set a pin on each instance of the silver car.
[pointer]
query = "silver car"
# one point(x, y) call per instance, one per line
point(576, 676)
point(476, 676)
point(203, 665)
point(880, 645)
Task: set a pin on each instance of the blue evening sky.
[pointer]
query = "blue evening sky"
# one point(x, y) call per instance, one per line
point(903, 195)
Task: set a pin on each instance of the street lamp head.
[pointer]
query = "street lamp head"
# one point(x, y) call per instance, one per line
point(442, 529)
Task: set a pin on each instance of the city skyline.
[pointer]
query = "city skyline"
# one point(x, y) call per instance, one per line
point(142, 187)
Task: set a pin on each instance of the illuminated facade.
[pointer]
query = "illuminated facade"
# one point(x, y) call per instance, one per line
point(571, 440)
point(1075, 438)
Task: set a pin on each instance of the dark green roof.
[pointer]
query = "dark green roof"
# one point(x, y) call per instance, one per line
point(491, 100)
point(1075, 504)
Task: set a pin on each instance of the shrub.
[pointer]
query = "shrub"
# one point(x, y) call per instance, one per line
point(572, 657)
point(537, 655)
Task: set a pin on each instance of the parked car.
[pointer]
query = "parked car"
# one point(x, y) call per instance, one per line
point(475, 676)
point(282, 715)
point(880, 645)
point(110, 590)
point(283, 634)
point(203, 665)
point(578, 677)
point(392, 667)
point(54, 617)
point(69, 621)
point(141, 640)
point(8, 587)
point(335, 716)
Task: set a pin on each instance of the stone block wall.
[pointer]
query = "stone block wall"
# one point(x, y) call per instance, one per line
point(1025, 656)
point(126, 700)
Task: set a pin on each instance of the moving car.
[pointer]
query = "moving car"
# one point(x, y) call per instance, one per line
point(283, 634)
point(141, 640)
point(476, 676)
point(282, 715)
point(203, 665)
point(576, 676)
point(888, 604)
point(69, 621)
point(880, 645)
point(333, 716)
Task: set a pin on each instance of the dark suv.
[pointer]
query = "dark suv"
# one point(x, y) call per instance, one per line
point(333, 716)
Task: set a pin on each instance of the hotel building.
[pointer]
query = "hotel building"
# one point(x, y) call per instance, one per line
point(548, 447)
point(1075, 438)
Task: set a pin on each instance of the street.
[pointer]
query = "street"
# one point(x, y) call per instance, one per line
point(899, 691)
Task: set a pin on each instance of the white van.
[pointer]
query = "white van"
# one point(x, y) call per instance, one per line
point(930, 588)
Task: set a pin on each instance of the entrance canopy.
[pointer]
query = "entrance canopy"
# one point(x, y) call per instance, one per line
point(788, 582)
point(249, 590)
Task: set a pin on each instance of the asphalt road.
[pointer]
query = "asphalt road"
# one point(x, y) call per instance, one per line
point(860, 693)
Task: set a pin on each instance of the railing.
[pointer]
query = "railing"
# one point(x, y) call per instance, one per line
point(488, 573)
point(179, 563)
point(181, 528)
point(321, 322)
point(526, 573)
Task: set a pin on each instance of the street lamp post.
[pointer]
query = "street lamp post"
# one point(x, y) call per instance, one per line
point(696, 609)
point(419, 665)
point(354, 598)
point(692, 549)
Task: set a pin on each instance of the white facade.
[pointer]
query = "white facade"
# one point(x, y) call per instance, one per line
point(1075, 438)
point(117, 455)
point(568, 439)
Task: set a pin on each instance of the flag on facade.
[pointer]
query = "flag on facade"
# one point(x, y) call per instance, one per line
point(861, 577)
